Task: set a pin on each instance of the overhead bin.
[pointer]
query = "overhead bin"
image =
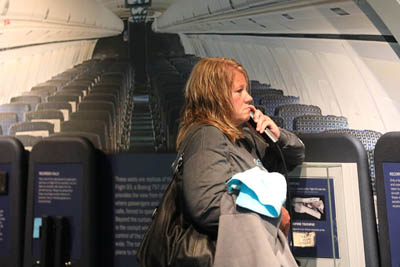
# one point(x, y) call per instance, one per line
point(49, 21)
point(239, 3)
point(199, 8)
point(219, 6)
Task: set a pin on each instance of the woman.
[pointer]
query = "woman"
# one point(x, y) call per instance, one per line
point(217, 143)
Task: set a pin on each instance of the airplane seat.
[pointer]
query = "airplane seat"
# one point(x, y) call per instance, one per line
point(64, 107)
point(166, 100)
point(107, 87)
point(159, 64)
point(95, 126)
point(331, 154)
point(185, 75)
point(111, 98)
point(184, 72)
point(53, 116)
point(164, 86)
point(118, 70)
point(176, 61)
point(161, 67)
point(319, 123)
point(164, 77)
point(45, 88)
point(32, 100)
point(279, 121)
point(173, 127)
point(18, 108)
point(117, 88)
point(260, 107)
point(369, 139)
point(183, 64)
point(111, 80)
point(254, 84)
point(6, 120)
point(35, 128)
point(114, 77)
point(71, 99)
point(162, 71)
point(92, 137)
point(43, 94)
point(272, 101)
point(71, 92)
point(62, 219)
point(290, 111)
point(100, 106)
point(100, 116)
point(85, 80)
point(387, 158)
point(112, 94)
point(159, 130)
point(258, 93)
point(75, 87)
point(59, 82)
point(167, 113)
point(28, 141)
point(13, 180)
point(31, 106)
point(67, 75)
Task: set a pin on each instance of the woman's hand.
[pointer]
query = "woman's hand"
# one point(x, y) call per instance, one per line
point(263, 122)
point(285, 222)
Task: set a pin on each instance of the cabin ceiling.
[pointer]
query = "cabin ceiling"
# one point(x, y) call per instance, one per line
point(272, 16)
point(118, 7)
point(268, 17)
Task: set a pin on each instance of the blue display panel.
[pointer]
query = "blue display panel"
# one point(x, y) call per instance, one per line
point(391, 174)
point(139, 181)
point(58, 192)
point(314, 217)
point(5, 214)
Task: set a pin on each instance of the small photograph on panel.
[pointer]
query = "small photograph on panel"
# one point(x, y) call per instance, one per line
point(308, 208)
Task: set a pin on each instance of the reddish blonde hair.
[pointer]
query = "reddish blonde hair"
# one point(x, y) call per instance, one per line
point(208, 94)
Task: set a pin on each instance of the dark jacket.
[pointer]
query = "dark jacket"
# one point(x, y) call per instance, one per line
point(211, 159)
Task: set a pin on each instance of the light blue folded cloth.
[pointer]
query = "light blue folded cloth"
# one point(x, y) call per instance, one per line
point(260, 191)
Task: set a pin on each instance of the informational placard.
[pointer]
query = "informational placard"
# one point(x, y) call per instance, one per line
point(327, 222)
point(58, 192)
point(139, 181)
point(5, 213)
point(391, 174)
point(314, 217)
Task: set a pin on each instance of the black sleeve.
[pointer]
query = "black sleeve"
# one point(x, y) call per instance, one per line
point(205, 171)
point(291, 146)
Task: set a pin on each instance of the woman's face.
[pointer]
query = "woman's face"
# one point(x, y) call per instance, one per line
point(240, 98)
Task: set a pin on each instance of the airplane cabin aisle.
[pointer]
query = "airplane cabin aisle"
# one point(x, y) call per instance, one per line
point(326, 69)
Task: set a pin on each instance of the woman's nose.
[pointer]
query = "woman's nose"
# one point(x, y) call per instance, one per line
point(248, 98)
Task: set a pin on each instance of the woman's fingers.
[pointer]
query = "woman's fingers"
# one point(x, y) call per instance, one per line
point(263, 122)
